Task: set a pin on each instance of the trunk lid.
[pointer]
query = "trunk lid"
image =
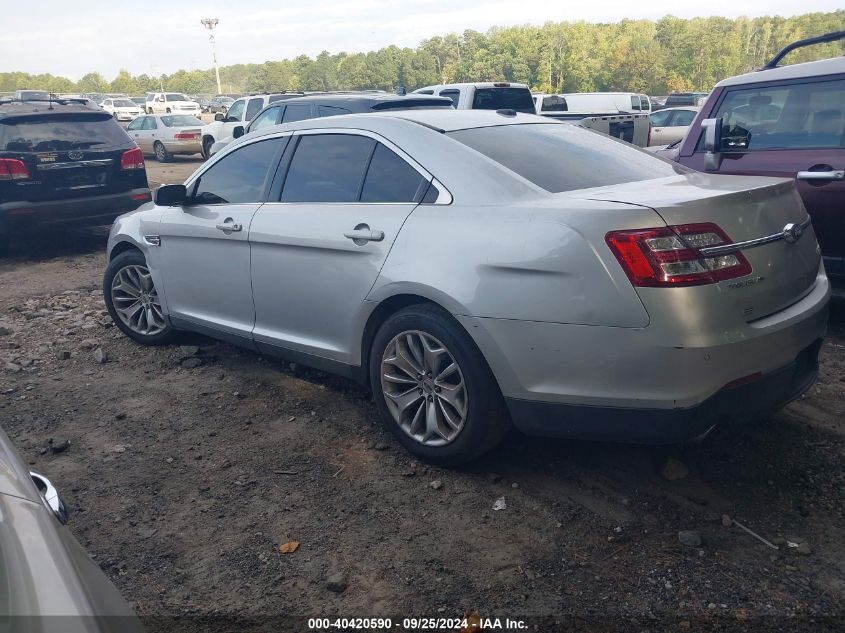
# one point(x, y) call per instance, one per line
point(746, 208)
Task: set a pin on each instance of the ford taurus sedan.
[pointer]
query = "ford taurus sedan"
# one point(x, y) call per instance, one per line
point(443, 259)
point(49, 582)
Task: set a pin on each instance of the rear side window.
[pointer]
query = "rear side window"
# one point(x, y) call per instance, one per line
point(62, 132)
point(391, 179)
point(253, 107)
point(296, 112)
point(454, 95)
point(332, 111)
point(518, 99)
point(327, 168)
point(583, 159)
point(239, 177)
point(683, 118)
point(798, 116)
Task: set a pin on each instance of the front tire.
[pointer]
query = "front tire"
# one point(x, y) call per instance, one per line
point(132, 300)
point(207, 142)
point(162, 155)
point(433, 388)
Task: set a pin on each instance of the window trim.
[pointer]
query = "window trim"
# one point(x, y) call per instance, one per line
point(444, 196)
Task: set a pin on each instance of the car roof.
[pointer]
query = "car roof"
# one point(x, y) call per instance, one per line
point(477, 84)
point(833, 66)
point(13, 109)
point(366, 97)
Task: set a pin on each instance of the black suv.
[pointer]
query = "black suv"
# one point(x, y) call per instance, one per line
point(64, 163)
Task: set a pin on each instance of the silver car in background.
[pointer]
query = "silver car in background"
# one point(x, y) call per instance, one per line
point(44, 572)
point(477, 268)
point(165, 135)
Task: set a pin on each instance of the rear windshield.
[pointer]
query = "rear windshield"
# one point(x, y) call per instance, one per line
point(565, 157)
point(61, 132)
point(518, 99)
point(408, 104)
point(181, 120)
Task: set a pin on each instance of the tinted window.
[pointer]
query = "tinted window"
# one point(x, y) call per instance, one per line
point(683, 117)
point(253, 107)
point(661, 117)
point(180, 120)
point(585, 159)
point(553, 103)
point(391, 179)
point(296, 112)
point(62, 132)
point(236, 110)
point(454, 95)
point(175, 96)
point(327, 168)
point(333, 111)
point(806, 115)
point(424, 92)
point(518, 99)
point(265, 119)
point(239, 176)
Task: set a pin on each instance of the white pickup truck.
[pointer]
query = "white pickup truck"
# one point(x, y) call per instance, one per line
point(629, 125)
point(512, 96)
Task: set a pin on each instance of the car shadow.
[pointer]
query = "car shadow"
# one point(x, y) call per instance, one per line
point(50, 243)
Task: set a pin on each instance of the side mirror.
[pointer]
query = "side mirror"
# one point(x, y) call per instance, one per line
point(238, 131)
point(712, 143)
point(171, 195)
point(219, 116)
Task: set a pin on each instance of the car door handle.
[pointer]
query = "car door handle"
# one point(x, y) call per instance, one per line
point(229, 226)
point(363, 234)
point(836, 174)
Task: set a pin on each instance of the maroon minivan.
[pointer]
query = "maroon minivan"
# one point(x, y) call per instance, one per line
point(786, 121)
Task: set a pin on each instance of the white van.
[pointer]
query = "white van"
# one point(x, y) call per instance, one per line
point(595, 102)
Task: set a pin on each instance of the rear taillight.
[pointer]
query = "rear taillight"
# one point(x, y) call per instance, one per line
point(669, 256)
point(187, 136)
point(13, 169)
point(132, 159)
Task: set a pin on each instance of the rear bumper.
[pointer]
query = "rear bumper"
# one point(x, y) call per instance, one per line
point(729, 406)
point(80, 211)
point(183, 147)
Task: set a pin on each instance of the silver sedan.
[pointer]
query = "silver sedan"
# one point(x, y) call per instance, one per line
point(477, 269)
point(164, 135)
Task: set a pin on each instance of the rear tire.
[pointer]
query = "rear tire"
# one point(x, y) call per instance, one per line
point(132, 300)
point(433, 388)
point(162, 155)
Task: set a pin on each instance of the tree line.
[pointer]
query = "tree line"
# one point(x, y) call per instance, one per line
point(654, 57)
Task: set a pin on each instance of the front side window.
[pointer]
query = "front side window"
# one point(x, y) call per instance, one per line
point(239, 177)
point(136, 123)
point(149, 124)
point(798, 116)
point(645, 106)
point(265, 119)
point(254, 107)
point(236, 110)
point(661, 118)
point(586, 159)
point(328, 168)
point(635, 103)
point(391, 179)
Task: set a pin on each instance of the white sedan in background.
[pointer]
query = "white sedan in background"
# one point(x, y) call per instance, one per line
point(122, 109)
point(167, 134)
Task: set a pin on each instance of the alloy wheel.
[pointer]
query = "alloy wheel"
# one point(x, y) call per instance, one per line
point(136, 301)
point(424, 388)
point(161, 153)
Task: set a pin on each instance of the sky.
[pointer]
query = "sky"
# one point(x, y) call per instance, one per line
point(161, 36)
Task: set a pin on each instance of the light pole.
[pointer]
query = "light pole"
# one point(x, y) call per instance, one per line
point(211, 24)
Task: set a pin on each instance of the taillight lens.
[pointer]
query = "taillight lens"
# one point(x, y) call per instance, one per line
point(187, 135)
point(13, 169)
point(132, 159)
point(669, 256)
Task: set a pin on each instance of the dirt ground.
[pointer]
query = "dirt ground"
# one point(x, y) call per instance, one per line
point(184, 480)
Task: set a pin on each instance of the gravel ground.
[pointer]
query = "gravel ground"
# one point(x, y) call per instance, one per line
point(189, 465)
